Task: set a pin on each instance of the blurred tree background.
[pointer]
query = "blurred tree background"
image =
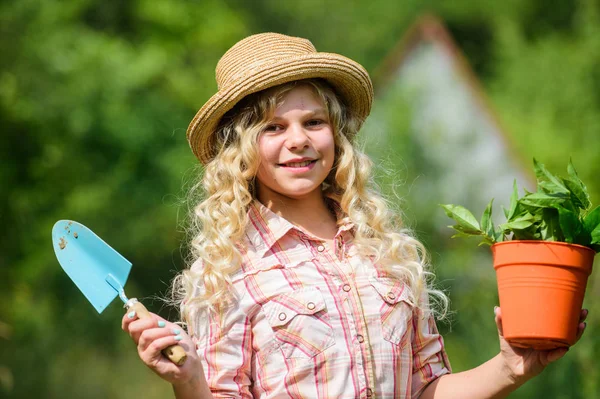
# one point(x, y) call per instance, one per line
point(95, 97)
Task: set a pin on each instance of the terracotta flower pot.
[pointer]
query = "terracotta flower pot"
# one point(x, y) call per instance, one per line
point(541, 285)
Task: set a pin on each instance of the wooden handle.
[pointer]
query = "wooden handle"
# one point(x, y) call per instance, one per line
point(174, 353)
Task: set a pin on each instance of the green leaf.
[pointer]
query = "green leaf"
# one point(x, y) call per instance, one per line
point(461, 234)
point(525, 211)
point(550, 226)
point(546, 181)
point(591, 224)
point(592, 220)
point(517, 225)
point(582, 194)
point(521, 223)
point(579, 195)
point(466, 230)
point(498, 234)
point(596, 236)
point(487, 241)
point(553, 213)
point(522, 210)
point(487, 225)
point(514, 198)
point(544, 200)
point(531, 233)
point(570, 224)
point(466, 221)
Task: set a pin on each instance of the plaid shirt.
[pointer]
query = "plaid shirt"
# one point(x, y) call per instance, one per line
point(316, 323)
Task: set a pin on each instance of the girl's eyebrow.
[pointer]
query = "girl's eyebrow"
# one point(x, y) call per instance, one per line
point(318, 111)
point(309, 114)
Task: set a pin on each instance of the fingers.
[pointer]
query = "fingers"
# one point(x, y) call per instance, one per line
point(155, 337)
point(583, 315)
point(152, 335)
point(127, 319)
point(582, 324)
point(554, 355)
point(581, 328)
point(136, 326)
point(498, 319)
point(153, 341)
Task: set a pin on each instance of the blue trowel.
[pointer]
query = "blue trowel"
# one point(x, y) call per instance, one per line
point(99, 272)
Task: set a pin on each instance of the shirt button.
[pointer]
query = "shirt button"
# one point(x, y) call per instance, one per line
point(346, 287)
point(310, 305)
point(282, 316)
point(339, 244)
point(369, 392)
point(391, 296)
point(360, 338)
point(320, 248)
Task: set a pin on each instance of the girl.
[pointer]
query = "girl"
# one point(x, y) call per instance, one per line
point(303, 283)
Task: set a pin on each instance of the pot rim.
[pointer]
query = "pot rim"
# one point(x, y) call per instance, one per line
point(543, 242)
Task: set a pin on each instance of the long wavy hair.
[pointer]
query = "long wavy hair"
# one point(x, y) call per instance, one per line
point(218, 222)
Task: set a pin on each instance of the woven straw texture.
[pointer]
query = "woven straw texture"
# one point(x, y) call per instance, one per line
point(265, 60)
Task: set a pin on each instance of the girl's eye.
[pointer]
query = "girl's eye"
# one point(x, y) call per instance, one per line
point(315, 122)
point(272, 128)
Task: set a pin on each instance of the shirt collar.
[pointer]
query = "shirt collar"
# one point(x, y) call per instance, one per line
point(265, 227)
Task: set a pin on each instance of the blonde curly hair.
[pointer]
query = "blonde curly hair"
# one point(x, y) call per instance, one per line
point(218, 223)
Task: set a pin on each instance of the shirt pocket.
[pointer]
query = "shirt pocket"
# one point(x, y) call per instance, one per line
point(395, 309)
point(300, 322)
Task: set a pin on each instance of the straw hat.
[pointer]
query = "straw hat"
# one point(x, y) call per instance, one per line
point(265, 60)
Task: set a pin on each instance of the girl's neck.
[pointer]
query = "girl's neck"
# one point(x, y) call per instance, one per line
point(311, 214)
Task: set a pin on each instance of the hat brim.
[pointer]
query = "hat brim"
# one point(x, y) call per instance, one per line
point(349, 79)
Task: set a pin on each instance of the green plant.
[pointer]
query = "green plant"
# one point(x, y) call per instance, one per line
point(560, 210)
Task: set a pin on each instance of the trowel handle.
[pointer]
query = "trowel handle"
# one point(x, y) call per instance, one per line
point(174, 353)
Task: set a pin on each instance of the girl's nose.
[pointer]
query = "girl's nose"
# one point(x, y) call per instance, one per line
point(297, 138)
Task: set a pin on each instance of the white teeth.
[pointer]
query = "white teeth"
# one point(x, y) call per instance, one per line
point(298, 164)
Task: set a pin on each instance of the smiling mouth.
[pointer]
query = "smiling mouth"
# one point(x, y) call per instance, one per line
point(297, 164)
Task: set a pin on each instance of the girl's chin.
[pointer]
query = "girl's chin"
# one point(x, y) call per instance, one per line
point(299, 192)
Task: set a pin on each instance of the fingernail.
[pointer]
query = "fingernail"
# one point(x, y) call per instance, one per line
point(495, 309)
point(178, 338)
point(131, 314)
point(176, 331)
point(161, 323)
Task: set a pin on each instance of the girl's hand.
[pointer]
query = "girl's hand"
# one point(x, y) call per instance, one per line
point(523, 364)
point(152, 335)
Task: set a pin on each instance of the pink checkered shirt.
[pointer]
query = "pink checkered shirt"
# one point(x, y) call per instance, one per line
point(316, 323)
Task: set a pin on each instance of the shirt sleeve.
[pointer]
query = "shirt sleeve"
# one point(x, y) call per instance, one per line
point(226, 352)
point(429, 356)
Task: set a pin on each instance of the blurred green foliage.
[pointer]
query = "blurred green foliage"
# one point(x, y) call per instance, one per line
point(95, 98)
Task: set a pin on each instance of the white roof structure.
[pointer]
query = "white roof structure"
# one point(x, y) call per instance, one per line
point(428, 95)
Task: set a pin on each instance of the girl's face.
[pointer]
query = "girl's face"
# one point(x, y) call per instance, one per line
point(296, 148)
